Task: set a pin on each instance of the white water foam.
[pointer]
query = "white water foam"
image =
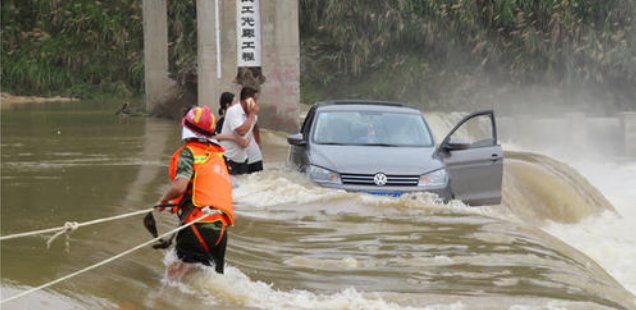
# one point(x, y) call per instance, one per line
point(609, 238)
point(234, 288)
point(280, 185)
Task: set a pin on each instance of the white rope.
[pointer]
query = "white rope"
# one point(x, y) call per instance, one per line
point(70, 226)
point(206, 212)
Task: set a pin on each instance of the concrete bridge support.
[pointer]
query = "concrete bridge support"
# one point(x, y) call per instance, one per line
point(280, 54)
point(209, 86)
point(281, 64)
point(155, 24)
point(280, 95)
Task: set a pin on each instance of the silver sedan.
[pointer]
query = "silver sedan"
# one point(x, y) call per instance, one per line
point(386, 148)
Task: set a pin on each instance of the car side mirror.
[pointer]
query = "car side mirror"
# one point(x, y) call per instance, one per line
point(296, 139)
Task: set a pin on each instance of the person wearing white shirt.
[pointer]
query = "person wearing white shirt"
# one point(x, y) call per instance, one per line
point(240, 119)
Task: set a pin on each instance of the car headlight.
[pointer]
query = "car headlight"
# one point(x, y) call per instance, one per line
point(436, 178)
point(321, 175)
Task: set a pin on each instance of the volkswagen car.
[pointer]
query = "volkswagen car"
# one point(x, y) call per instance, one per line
point(386, 148)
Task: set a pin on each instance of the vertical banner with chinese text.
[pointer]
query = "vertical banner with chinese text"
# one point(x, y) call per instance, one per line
point(248, 31)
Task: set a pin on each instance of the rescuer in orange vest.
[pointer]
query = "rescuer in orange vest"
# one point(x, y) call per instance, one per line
point(199, 179)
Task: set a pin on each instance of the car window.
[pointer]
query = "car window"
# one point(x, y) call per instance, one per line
point(371, 128)
point(477, 131)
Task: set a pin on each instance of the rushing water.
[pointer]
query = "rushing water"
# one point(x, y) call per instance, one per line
point(557, 241)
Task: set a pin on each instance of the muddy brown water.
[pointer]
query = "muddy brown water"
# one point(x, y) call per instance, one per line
point(295, 245)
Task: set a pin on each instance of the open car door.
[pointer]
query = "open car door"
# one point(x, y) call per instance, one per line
point(474, 159)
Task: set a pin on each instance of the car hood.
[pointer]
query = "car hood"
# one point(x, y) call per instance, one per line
point(374, 159)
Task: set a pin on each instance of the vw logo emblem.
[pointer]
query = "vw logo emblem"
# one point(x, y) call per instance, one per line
point(379, 179)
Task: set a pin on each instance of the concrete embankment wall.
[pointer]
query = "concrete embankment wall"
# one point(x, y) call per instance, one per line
point(574, 134)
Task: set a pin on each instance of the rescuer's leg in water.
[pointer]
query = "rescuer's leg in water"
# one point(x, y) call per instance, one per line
point(203, 243)
point(176, 270)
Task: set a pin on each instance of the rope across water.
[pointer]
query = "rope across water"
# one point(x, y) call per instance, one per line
point(70, 226)
point(106, 261)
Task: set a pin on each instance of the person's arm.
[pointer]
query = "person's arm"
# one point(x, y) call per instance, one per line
point(242, 142)
point(177, 188)
point(247, 125)
point(182, 177)
point(257, 134)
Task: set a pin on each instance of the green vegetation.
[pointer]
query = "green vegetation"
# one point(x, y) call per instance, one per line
point(86, 49)
point(72, 48)
point(442, 53)
point(453, 52)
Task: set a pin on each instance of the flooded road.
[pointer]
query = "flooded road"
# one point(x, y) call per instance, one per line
point(296, 245)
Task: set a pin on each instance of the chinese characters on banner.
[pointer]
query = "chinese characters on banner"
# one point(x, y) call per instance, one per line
point(248, 31)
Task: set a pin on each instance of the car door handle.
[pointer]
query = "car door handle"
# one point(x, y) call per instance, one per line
point(494, 157)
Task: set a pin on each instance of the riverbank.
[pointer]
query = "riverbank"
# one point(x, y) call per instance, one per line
point(6, 98)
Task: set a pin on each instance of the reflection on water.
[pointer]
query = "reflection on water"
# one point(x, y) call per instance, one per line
point(295, 245)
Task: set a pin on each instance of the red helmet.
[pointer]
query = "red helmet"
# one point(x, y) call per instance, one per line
point(200, 120)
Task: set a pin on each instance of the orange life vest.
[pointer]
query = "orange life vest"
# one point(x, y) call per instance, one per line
point(210, 184)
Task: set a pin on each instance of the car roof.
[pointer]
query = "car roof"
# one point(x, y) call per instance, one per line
point(367, 105)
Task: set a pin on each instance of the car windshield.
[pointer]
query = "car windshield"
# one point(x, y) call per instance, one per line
point(371, 128)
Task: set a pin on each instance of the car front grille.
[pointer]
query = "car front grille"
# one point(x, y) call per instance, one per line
point(392, 180)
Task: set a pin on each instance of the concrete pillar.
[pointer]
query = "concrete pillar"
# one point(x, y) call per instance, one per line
point(208, 83)
point(228, 47)
point(280, 95)
point(280, 99)
point(155, 24)
point(628, 121)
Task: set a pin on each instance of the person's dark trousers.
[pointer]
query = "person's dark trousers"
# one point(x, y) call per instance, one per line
point(190, 249)
point(235, 168)
point(255, 167)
